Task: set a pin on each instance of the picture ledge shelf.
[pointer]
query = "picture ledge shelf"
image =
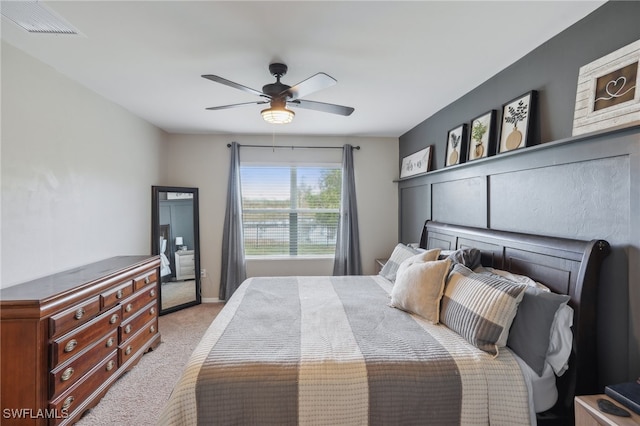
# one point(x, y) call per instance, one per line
point(546, 145)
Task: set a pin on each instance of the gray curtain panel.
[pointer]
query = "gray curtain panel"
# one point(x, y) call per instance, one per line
point(348, 260)
point(234, 268)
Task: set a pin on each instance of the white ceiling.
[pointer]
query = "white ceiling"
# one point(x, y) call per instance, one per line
point(396, 63)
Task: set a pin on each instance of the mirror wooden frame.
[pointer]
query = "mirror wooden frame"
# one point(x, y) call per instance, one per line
point(155, 238)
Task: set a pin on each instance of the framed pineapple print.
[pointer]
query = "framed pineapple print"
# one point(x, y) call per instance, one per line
point(456, 145)
point(482, 136)
point(518, 117)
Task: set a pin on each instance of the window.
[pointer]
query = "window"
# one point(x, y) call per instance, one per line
point(290, 210)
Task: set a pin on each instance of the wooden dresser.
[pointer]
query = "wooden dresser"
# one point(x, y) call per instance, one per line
point(65, 338)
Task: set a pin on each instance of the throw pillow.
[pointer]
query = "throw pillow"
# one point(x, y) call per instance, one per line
point(418, 288)
point(480, 308)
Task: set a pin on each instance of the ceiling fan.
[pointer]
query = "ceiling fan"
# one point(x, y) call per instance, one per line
point(279, 95)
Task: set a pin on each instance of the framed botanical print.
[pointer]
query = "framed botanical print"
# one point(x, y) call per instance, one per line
point(518, 116)
point(456, 145)
point(482, 136)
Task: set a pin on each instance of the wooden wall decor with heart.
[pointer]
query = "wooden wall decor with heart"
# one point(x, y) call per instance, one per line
point(608, 93)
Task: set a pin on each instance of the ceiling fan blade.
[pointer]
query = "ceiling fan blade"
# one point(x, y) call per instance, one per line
point(236, 105)
point(314, 83)
point(321, 106)
point(230, 83)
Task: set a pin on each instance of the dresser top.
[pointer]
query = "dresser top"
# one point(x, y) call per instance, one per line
point(43, 288)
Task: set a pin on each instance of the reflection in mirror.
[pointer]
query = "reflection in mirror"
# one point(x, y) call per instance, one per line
point(175, 237)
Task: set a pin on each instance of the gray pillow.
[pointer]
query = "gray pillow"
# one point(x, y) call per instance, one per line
point(400, 253)
point(469, 257)
point(531, 329)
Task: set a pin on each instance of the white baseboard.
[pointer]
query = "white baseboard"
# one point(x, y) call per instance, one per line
point(210, 300)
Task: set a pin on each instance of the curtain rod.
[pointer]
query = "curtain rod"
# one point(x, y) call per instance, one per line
point(292, 146)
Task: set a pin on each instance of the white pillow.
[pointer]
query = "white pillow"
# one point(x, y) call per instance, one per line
point(523, 279)
point(423, 256)
point(561, 340)
point(419, 287)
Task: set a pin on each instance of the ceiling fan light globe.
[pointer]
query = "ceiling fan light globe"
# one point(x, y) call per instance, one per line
point(277, 115)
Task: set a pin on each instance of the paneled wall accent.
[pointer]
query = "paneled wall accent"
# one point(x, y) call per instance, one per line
point(458, 201)
point(583, 188)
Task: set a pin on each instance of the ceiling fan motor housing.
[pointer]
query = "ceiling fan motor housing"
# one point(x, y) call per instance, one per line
point(273, 90)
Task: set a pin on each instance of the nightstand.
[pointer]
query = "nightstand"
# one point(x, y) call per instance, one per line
point(380, 264)
point(587, 413)
point(185, 265)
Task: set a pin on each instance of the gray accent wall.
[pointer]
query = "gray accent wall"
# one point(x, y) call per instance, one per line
point(576, 187)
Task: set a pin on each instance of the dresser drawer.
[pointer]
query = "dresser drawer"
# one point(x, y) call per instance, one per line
point(131, 326)
point(73, 370)
point(73, 398)
point(116, 294)
point(74, 342)
point(144, 280)
point(71, 318)
point(132, 305)
point(131, 347)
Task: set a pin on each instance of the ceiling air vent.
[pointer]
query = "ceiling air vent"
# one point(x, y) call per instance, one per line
point(34, 17)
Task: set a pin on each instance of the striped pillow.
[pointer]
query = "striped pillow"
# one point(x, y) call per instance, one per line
point(480, 308)
point(400, 253)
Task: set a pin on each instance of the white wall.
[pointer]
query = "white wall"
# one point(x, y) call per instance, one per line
point(203, 161)
point(76, 173)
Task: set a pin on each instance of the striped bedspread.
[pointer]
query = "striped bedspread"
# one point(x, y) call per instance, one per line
point(330, 351)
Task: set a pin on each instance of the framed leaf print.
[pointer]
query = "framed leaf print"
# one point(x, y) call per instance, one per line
point(518, 117)
point(456, 145)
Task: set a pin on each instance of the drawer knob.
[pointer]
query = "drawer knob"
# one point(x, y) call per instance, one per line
point(119, 294)
point(110, 342)
point(79, 314)
point(152, 293)
point(71, 345)
point(67, 374)
point(152, 311)
point(127, 329)
point(113, 319)
point(67, 403)
point(110, 365)
point(152, 329)
point(128, 350)
point(129, 307)
point(147, 280)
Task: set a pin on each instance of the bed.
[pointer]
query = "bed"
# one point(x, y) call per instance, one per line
point(331, 350)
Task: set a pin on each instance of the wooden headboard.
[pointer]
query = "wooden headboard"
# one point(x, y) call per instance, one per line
point(564, 265)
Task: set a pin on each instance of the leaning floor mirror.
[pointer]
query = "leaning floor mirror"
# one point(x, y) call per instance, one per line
point(175, 237)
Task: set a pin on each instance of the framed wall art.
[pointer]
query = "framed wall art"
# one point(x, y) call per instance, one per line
point(608, 92)
point(416, 163)
point(482, 136)
point(456, 145)
point(518, 116)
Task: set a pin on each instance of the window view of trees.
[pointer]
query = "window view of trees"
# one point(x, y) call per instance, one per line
point(290, 210)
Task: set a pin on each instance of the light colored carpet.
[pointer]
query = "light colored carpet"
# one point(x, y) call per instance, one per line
point(176, 293)
point(137, 398)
